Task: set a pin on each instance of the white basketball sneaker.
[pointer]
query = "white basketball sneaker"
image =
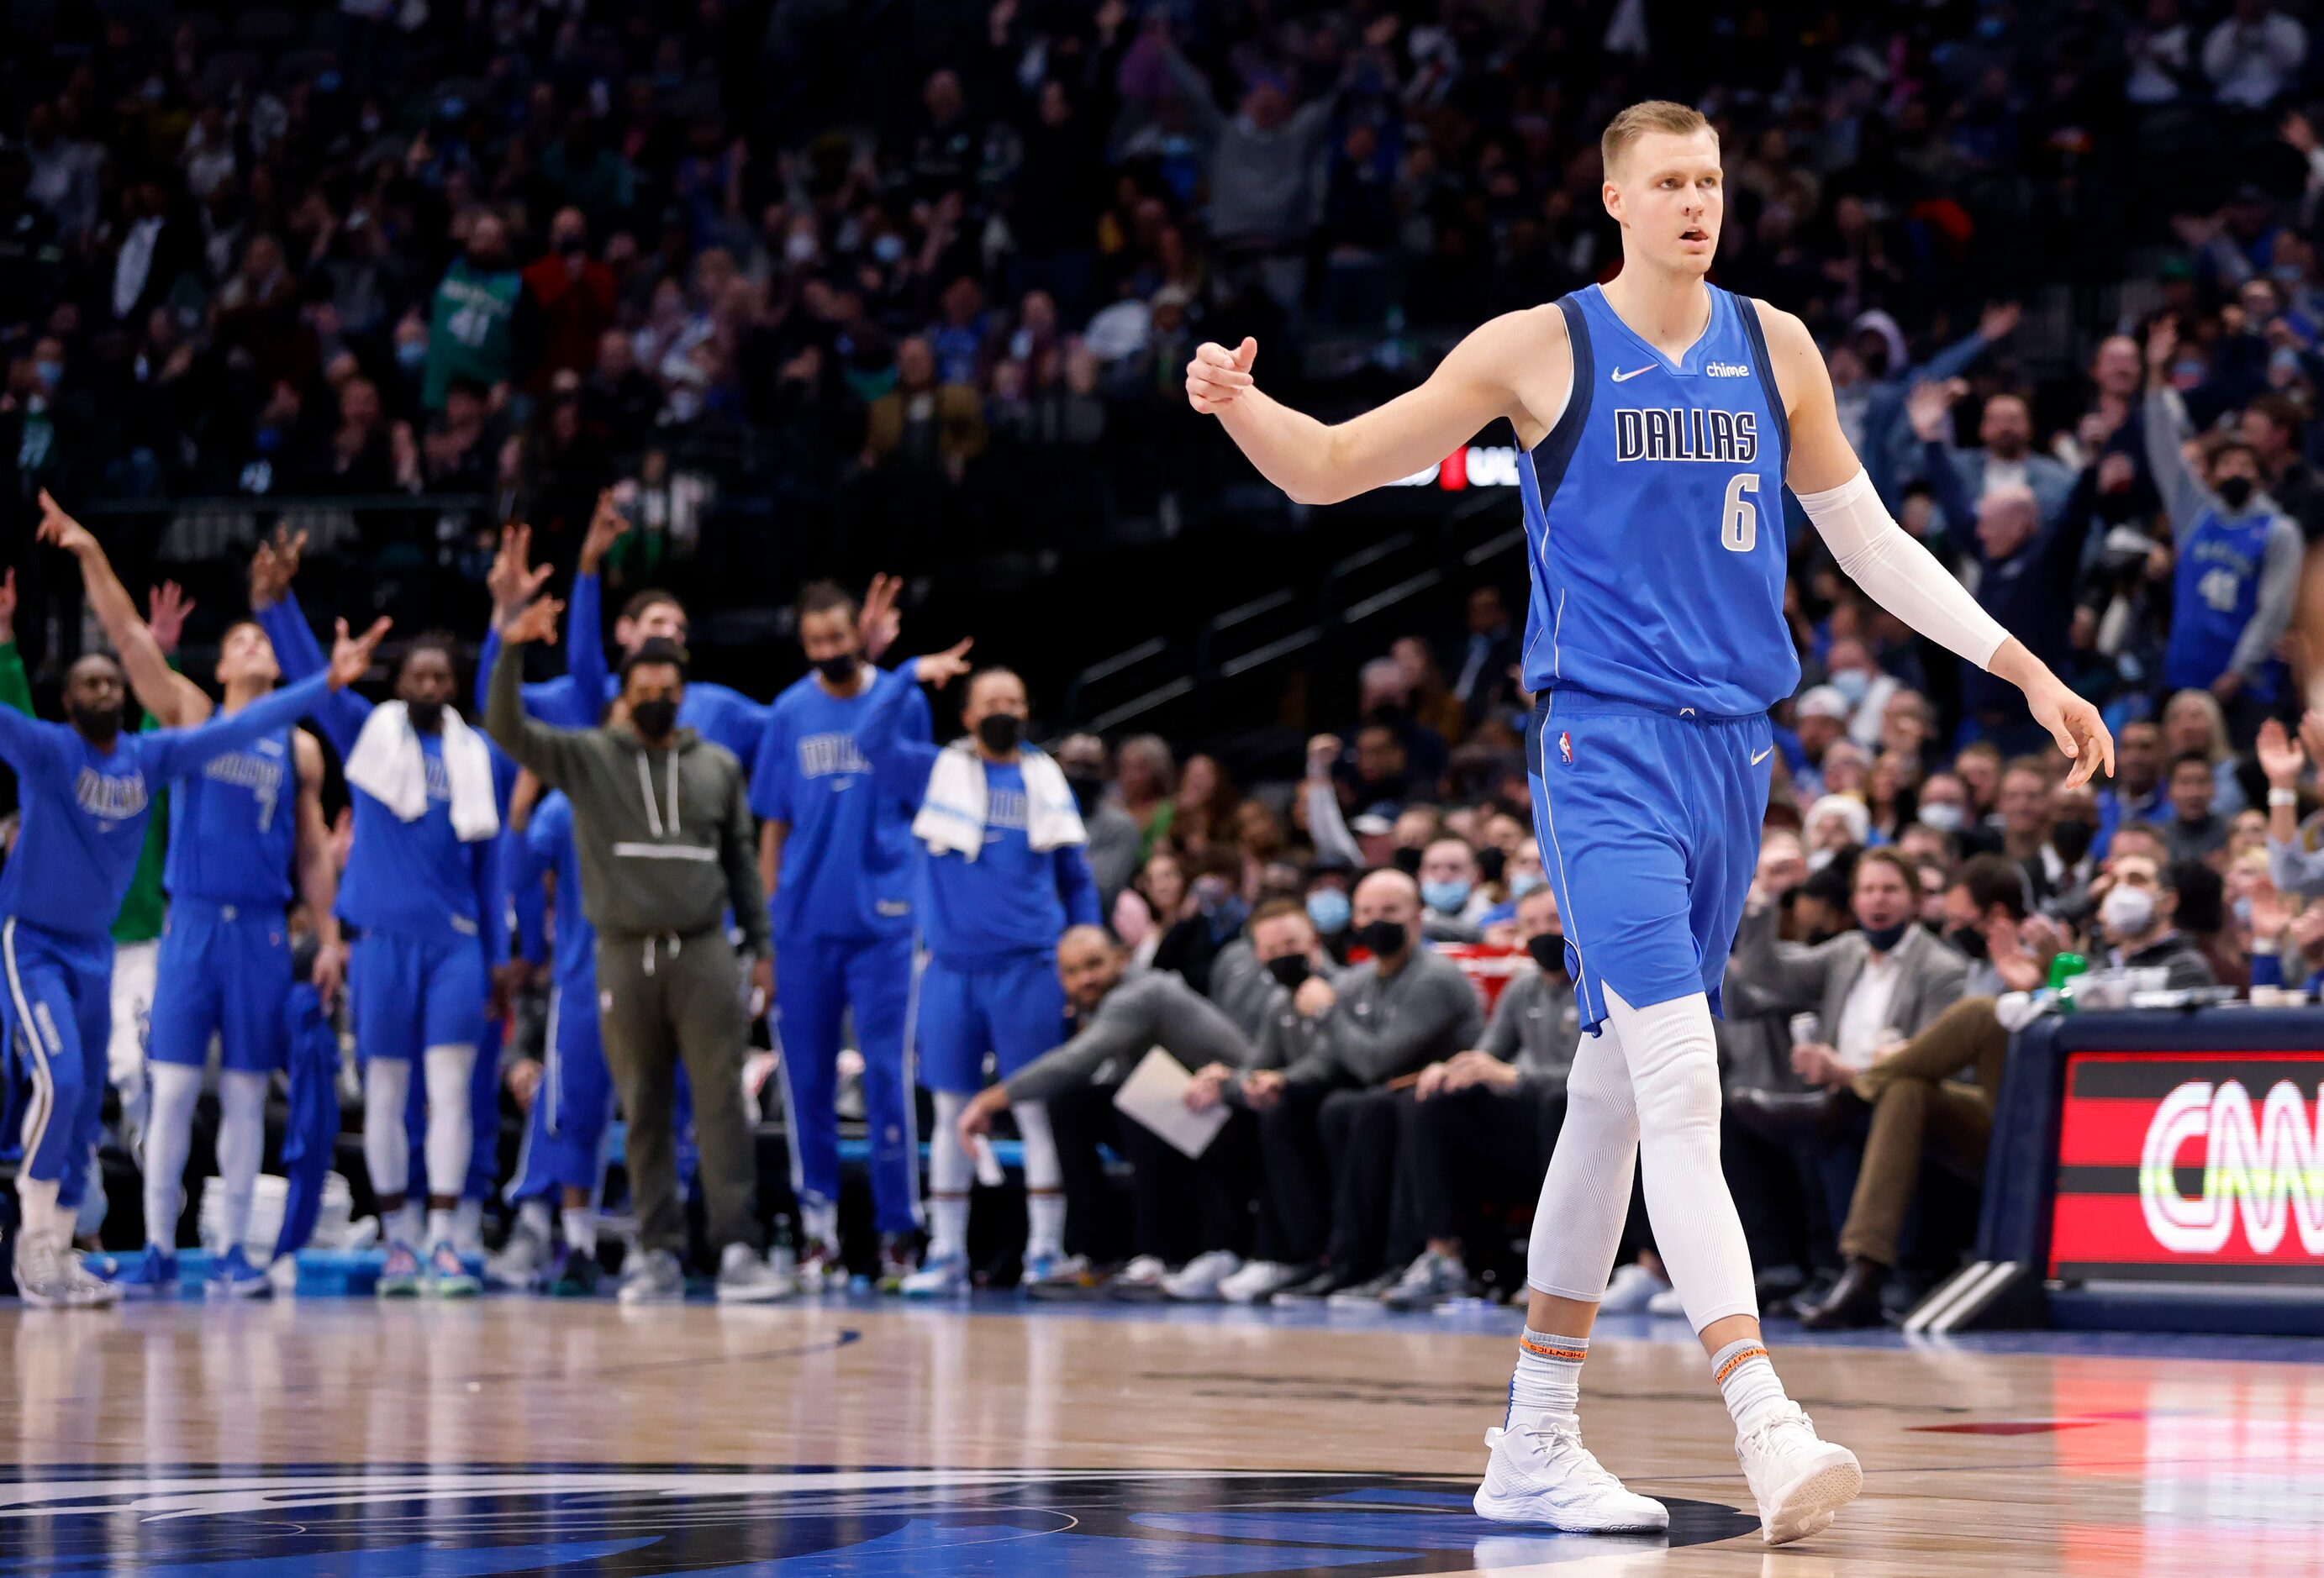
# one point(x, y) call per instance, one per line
point(1547, 1478)
point(1801, 1481)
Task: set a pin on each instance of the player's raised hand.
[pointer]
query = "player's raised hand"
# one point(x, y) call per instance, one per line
point(536, 621)
point(351, 655)
point(607, 526)
point(512, 579)
point(879, 622)
point(939, 669)
point(167, 606)
point(1216, 375)
point(60, 530)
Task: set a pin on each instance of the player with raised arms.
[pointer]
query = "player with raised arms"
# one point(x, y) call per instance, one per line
point(1660, 419)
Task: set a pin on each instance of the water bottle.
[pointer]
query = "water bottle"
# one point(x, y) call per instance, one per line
point(2063, 969)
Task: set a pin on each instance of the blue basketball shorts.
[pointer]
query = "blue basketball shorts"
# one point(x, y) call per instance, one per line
point(564, 1137)
point(58, 1009)
point(223, 970)
point(1649, 831)
point(1012, 1007)
point(410, 994)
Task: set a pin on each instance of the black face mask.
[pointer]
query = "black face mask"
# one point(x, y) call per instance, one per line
point(1885, 937)
point(2235, 492)
point(427, 717)
point(1000, 732)
point(1966, 940)
point(1381, 939)
point(653, 720)
point(2071, 839)
point(98, 722)
point(1406, 861)
point(1548, 951)
point(1290, 970)
point(840, 669)
point(1088, 789)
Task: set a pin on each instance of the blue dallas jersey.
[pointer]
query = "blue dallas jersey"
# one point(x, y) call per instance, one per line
point(1654, 516)
point(233, 826)
point(416, 878)
point(2215, 591)
point(83, 811)
point(547, 850)
point(578, 698)
point(847, 856)
point(1010, 898)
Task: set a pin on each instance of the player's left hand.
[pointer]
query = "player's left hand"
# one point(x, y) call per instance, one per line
point(2075, 724)
point(351, 655)
point(60, 530)
point(538, 623)
point(976, 1117)
point(330, 972)
point(167, 606)
point(878, 623)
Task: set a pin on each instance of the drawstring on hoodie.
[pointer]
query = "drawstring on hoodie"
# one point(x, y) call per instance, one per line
point(645, 789)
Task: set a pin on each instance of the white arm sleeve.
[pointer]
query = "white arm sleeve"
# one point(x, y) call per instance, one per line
point(1903, 576)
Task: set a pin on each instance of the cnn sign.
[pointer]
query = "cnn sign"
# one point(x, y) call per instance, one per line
point(2265, 1168)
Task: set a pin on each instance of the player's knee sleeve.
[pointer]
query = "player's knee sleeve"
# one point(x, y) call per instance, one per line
point(169, 1139)
point(241, 1147)
point(387, 1149)
point(1585, 1194)
point(1042, 1171)
point(1673, 1054)
point(451, 1131)
point(950, 1172)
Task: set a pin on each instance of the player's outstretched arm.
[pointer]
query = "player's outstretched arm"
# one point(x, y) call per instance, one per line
point(1318, 464)
point(1903, 576)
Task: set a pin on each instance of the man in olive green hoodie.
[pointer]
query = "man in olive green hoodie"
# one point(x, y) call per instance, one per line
point(666, 849)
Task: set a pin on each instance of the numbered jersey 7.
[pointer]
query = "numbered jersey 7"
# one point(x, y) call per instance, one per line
point(1655, 520)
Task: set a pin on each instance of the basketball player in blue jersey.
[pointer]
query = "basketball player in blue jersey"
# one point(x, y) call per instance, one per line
point(239, 828)
point(1004, 871)
point(85, 790)
point(423, 890)
point(1661, 421)
point(835, 854)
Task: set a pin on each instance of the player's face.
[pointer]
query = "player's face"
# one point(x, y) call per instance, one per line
point(827, 635)
point(425, 679)
point(1668, 195)
point(247, 656)
point(95, 695)
point(665, 621)
point(997, 691)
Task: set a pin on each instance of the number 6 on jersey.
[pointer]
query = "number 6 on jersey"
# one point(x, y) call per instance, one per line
point(1739, 521)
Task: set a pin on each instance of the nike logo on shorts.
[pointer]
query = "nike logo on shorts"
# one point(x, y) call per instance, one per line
point(1763, 755)
point(1621, 377)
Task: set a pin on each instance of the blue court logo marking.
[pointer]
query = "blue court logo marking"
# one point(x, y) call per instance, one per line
point(423, 1521)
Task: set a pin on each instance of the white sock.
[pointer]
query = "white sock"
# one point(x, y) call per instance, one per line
point(241, 1148)
point(169, 1138)
point(532, 1216)
point(819, 1222)
point(37, 1208)
point(1045, 1226)
point(950, 1172)
point(1546, 1385)
point(450, 1132)
point(1747, 1380)
point(581, 1229)
point(1045, 1204)
point(387, 1151)
point(469, 1226)
point(439, 1226)
point(948, 1227)
point(406, 1223)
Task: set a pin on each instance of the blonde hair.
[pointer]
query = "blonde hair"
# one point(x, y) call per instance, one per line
point(1653, 115)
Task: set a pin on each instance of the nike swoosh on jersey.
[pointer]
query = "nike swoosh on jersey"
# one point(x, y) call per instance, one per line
point(1621, 377)
point(1763, 755)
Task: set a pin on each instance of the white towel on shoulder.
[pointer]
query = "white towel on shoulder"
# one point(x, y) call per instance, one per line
point(388, 765)
point(952, 817)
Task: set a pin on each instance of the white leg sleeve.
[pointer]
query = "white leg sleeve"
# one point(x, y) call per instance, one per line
point(169, 1138)
point(451, 1131)
point(241, 1146)
point(1585, 1196)
point(1045, 1203)
point(387, 1154)
point(1674, 1061)
point(950, 1172)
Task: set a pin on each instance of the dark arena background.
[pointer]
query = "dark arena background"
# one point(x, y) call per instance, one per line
point(681, 383)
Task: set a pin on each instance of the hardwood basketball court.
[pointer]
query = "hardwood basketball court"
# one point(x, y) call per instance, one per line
point(860, 1437)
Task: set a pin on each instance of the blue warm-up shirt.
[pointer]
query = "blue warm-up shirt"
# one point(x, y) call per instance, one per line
point(1011, 899)
point(83, 811)
point(414, 878)
point(546, 850)
point(847, 866)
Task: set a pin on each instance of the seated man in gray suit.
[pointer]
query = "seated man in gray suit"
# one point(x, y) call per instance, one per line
point(1868, 989)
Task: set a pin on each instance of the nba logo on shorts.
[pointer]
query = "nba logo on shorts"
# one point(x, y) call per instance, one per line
point(1565, 747)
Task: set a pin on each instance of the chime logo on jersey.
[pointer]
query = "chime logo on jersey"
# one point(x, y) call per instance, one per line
point(1685, 432)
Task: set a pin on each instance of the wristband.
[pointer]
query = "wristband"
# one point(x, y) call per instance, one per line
point(2284, 797)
